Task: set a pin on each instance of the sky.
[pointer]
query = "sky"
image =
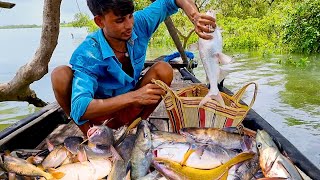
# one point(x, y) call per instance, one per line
point(30, 11)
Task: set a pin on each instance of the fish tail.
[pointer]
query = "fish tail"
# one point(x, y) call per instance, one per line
point(204, 100)
point(223, 74)
point(219, 99)
point(115, 154)
point(54, 174)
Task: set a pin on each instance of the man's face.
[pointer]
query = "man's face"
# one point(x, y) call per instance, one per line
point(117, 27)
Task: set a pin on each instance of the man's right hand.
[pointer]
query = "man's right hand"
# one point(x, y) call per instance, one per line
point(147, 95)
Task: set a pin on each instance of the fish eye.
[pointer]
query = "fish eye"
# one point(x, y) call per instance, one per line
point(145, 135)
point(259, 145)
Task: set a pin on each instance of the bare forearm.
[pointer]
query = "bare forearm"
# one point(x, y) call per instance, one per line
point(147, 95)
point(189, 8)
point(102, 107)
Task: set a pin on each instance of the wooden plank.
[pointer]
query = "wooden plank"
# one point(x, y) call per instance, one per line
point(60, 133)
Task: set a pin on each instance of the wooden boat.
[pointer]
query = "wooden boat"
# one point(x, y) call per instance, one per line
point(29, 132)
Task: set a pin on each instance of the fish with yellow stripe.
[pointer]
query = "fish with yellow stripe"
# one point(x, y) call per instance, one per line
point(173, 170)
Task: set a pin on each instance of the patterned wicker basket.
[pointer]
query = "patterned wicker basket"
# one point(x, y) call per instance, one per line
point(183, 107)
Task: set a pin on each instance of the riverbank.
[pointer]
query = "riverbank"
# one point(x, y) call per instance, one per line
point(31, 26)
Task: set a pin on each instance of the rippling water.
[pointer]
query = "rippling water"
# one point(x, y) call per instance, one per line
point(288, 98)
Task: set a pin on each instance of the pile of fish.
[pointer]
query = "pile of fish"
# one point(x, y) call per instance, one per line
point(195, 153)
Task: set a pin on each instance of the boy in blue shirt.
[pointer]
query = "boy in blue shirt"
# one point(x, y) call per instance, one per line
point(104, 81)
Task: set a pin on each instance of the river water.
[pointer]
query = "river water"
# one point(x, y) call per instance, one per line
point(288, 97)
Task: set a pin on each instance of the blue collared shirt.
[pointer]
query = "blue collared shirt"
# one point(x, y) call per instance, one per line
point(98, 73)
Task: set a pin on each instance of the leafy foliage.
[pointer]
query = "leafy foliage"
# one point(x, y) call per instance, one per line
point(83, 20)
point(267, 26)
point(302, 28)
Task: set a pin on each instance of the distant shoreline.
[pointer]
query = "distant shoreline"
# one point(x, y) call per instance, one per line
point(30, 26)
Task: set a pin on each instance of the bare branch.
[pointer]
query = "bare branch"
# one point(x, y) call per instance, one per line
point(202, 4)
point(187, 38)
point(18, 88)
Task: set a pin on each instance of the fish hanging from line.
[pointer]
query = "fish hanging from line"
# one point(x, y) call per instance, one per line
point(211, 56)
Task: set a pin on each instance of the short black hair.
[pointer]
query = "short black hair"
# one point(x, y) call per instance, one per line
point(119, 7)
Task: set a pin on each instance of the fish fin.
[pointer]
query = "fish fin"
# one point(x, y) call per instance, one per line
point(11, 176)
point(115, 154)
point(246, 143)
point(204, 100)
point(82, 155)
point(128, 177)
point(224, 59)
point(30, 159)
point(130, 127)
point(56, 174)
point(49, 145)
point(186, 156)
point(128, 167)
point(7, 153)
point(219, 99)
point(199, 151)
point(40, 166)
point(287, 172)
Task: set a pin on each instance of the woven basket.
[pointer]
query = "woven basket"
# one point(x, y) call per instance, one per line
point(183, 107)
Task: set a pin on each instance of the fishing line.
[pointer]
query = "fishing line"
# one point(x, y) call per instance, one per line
point(78, 6)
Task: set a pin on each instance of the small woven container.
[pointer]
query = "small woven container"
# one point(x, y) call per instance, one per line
point(184, 111)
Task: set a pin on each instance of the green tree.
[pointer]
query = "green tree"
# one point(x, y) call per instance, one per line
point(302, 28)
point(83, 20)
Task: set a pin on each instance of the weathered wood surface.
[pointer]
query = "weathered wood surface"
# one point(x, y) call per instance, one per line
point(60, 133)
point(159, 118)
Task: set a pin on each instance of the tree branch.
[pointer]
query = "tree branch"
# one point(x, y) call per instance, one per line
point(18, 89)
point(187, 38)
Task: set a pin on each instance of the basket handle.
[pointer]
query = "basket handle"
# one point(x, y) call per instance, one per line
point(238, 95)
point(164, 86)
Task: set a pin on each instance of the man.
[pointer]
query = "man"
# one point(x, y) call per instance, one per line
point(106, 67)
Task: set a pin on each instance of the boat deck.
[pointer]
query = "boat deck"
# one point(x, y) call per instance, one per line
point(159, 117)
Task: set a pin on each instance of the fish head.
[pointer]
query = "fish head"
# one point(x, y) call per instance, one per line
point(100, 135)
point(143, 136)
point(264, 141)
point(72, 143)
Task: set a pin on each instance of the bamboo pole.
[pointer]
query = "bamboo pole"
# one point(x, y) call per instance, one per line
point(6, 5)
point(174, 35)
